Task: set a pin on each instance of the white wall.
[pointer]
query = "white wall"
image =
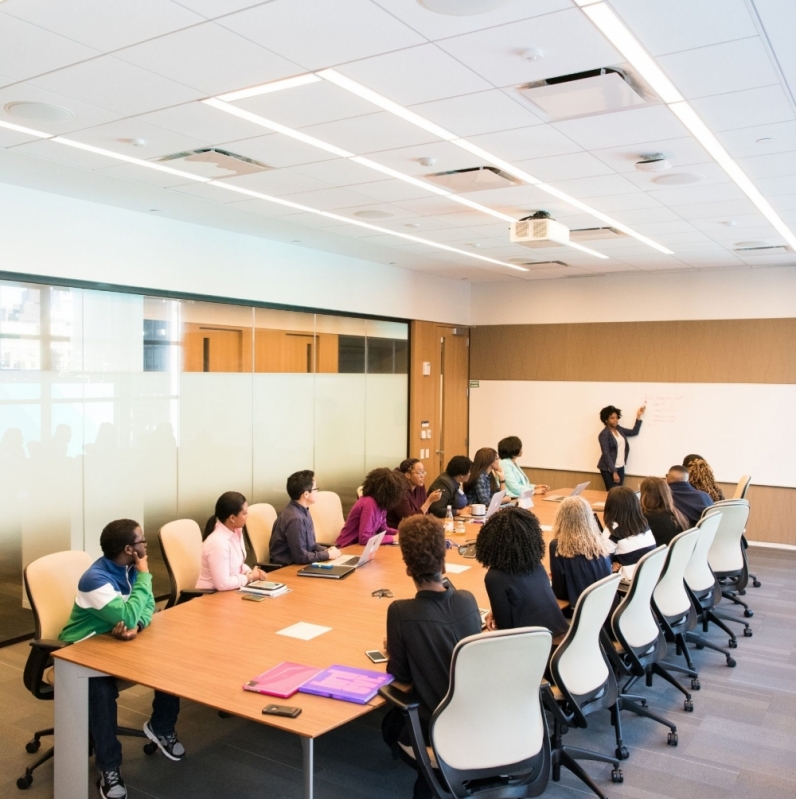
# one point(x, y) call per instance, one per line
point(758, 293)
point(56, 236)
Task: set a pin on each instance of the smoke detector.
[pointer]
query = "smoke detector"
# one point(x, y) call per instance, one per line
point(211, 162)
point(653, 163)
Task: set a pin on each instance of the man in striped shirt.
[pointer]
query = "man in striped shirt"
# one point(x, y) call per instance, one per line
point(115, 596)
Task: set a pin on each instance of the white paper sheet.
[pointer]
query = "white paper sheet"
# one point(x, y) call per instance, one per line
point(304, 631)
point(455, 568)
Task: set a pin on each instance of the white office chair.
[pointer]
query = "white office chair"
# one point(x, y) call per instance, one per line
point(490, 726)
point(181, 546)
point(742, 487)
point(584, 682)
point(259, 525)
point(327, 516)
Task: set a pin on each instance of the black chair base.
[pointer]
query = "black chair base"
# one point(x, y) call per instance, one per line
point(632, 703)
point(703, 643)
point(568, 756)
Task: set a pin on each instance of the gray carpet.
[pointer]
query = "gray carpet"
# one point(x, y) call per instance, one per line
point(739, 741)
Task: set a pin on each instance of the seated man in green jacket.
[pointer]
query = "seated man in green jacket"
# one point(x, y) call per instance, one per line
point(115, 596)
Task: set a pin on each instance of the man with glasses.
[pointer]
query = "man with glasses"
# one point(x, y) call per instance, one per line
point(115, 596)
point(293, 536)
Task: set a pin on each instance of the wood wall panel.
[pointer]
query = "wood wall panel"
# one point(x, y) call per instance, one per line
point(424, 390)
point(710, 351)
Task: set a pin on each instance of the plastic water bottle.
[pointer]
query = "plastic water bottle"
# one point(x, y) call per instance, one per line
point(449, 521)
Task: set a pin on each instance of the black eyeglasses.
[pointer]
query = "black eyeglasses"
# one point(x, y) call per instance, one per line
point(136, 543)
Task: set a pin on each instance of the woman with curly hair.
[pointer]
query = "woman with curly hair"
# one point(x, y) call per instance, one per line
point(700, 475)
point(382, 490)
point(657, 505)
point(578, 555)
point(511, 546)
point(627, 533)
point(415, 500)
point(614, 447)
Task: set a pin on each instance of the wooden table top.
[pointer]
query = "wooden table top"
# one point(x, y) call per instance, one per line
point(205, 649)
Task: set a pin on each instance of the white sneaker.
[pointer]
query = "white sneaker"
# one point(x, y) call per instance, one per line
point(111, 785)
point(168, 744)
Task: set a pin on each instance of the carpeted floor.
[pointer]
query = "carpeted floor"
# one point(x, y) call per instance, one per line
point(739, 743)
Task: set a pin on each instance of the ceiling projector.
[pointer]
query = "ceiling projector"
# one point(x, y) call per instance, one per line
point(539, 231)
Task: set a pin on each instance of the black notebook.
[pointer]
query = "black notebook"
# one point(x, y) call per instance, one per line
point(330, 572)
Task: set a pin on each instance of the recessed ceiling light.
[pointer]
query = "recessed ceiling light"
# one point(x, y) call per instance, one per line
point(678, 179)
point(39, 112)
point(462, 8)
point(374, 214)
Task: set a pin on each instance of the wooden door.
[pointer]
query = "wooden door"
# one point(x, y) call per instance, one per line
point(222, 350)
point(453, 400)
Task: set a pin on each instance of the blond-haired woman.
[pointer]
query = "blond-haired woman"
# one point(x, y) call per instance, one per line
point(578, 555)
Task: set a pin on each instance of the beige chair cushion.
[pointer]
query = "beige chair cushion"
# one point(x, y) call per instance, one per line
point(431, 756)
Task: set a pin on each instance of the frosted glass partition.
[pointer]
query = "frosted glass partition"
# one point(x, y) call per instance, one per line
point(119, 405)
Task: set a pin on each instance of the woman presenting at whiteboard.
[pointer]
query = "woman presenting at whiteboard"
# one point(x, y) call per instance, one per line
point(614, 446)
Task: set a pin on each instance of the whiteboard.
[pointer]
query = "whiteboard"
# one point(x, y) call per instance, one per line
point(740, 428)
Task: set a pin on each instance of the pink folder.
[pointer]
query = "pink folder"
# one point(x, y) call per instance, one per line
point(282, 680)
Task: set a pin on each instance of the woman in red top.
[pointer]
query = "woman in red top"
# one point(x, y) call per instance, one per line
point(415, 499)
point(382, 490)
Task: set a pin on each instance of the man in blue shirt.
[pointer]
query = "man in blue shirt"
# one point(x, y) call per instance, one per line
point(687, 499)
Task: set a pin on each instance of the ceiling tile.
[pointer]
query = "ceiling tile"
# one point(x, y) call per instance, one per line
point(705, 210)
point(208, 191)
point(710, 172)
point(431, 206)
point(116, 85)
point(741, 221)
point(318, 35)
point(697, 193)
point(277, 150)
point(217, 8)
point(312, 104)
point(746, 141)
point(784, 202)
point(769, 166)
point(778, 18)
point(371, 133)
point(483, 112)
point(183, 57)
point(601, 186)
point(624, 202)
point(262, 207)
point(416, 75)
point(103, 25)
point(342, 172)
point(762, 106)
point(85, 115)
point(441, 26)
point(448, 157)
point(277, 182)
point(522, 144)
point(681, 152)
point(564, 167)
point(728, 67)
point(683, 24)
point(568, 39)
point(770, 187)
point(63, 154)
point(389, 191)
point(623, 128)
point(140, 174)
point(28, 50)
point(11, 138)
point(329, 199)
point(192, 119)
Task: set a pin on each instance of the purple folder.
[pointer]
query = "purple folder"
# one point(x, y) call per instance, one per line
point(347, 683)
point(282, 680)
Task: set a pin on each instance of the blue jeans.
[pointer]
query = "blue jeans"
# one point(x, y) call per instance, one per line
point(102, 695)
point(608, 478)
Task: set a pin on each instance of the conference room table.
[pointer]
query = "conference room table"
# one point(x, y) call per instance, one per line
point(206, 649)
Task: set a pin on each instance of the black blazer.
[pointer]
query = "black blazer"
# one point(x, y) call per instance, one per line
point(608, 448)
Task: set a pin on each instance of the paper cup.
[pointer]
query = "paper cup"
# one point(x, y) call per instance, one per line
point(478, 510)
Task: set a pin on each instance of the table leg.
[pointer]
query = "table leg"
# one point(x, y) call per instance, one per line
point(308, 753)
point(71, 729)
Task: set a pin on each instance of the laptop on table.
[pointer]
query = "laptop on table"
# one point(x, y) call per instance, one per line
point(344, 565)
point(575, 492)
point(494, 507)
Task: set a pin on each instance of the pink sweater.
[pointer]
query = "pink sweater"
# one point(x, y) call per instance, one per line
point(365, 520)
point(223, 560)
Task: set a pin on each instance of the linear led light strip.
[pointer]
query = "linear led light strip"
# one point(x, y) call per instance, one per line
point(257, 195)
point(621, 37)
point(221, 104)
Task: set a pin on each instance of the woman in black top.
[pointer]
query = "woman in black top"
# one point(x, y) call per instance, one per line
point(578, 556)
point(657, 504)
point(511, 546)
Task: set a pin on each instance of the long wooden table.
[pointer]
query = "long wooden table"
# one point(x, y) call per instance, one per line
point(204, 650)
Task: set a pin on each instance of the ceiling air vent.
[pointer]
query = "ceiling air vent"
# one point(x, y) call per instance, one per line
point(524, 262)
point(763, 249)
point(597, 91)
point(210, 162)
point(596, 234)
point(474, 179)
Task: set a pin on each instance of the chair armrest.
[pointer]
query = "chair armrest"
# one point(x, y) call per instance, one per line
point(192, 593)
point(269, 567)
point(39, 659)
point(402, 700)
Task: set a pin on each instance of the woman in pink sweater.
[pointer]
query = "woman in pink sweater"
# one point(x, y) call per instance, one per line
point(382, 490)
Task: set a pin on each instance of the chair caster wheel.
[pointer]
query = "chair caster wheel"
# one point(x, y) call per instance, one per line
point(150, 748)
point(757, 583)
point(222, 714)
point(622, 753)
point(688, 706)
point(695, 684)
point(747, 632)
point(733, 643)
point(731, 662)
point(748, 613)
point(33, 745)
point(672, 739)
point(742, 592)
point(23, 783)
point(700, 646)
point(617, 776)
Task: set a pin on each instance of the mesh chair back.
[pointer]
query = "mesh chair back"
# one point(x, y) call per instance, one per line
point(327, 516)
point(725, 554)
point(742, 487)
point(51, 585)
point(258, 529)
point(633, 621)
point(670, 596)
point(492, 713)
point(578, 664)
point(181, 545)
point(698, 575)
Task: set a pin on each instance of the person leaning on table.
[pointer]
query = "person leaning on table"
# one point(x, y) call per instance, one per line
point(223, 564)
point(613, 445)
point(509, 449)
point(450, 484)
point(115, 596)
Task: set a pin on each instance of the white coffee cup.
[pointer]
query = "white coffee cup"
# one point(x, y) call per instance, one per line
point(478, 510)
